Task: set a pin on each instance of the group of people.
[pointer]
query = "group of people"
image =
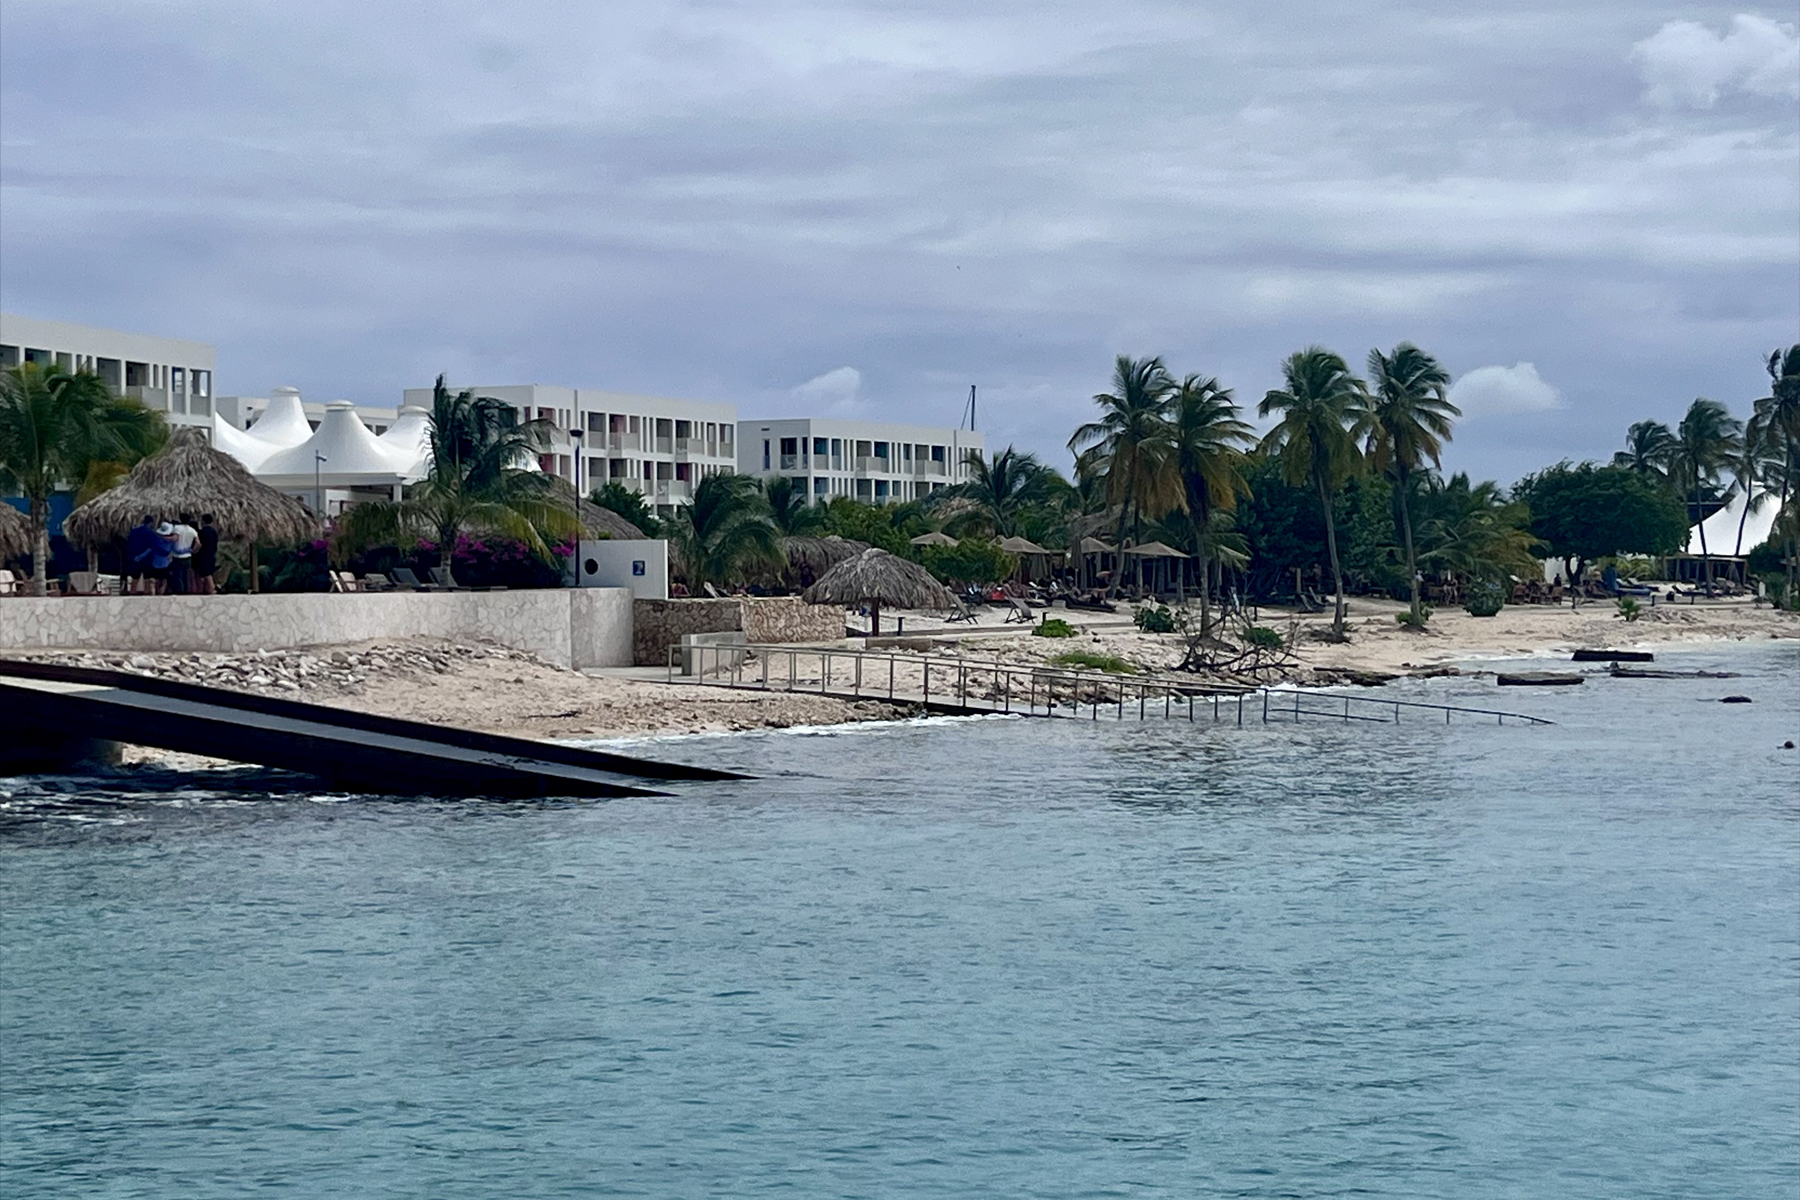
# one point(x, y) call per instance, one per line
point(171, 558)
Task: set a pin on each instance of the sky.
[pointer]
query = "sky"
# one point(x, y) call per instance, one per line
point(1590, 213)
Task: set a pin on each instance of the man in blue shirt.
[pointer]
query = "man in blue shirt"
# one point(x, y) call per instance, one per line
point(140, 544)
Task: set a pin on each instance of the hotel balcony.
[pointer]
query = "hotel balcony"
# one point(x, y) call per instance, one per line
point(619, 442)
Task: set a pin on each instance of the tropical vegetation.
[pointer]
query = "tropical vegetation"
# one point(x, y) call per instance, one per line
point(65, 430)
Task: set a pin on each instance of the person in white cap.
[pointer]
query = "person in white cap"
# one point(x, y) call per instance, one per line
point(160, 556)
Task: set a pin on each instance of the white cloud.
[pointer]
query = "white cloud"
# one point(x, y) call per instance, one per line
point(1492, 391)
point(837, 392)
point(1684, 62)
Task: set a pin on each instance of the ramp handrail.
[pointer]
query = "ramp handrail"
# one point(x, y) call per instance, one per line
point(1025, 689)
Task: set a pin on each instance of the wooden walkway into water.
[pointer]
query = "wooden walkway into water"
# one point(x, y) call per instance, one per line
point(956, 685)
point(48, 710)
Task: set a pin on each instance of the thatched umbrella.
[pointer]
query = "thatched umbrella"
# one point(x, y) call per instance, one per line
point(189, 476)
point(934, 538)
point(875, 578)
point(820, 554)
point(15, 533)
point(598, 522)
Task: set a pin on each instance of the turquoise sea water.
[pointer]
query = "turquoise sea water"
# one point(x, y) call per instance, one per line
point(991, 958)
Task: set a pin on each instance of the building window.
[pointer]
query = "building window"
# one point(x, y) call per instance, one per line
point(821, 448)
point(765, 454)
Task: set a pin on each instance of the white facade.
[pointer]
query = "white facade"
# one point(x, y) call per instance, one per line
point(172, 376)
point(654, 445)
point(866, 460)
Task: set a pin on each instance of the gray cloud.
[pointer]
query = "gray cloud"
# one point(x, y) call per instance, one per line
point(729, 201)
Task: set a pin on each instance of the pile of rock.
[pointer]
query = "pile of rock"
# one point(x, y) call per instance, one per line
point(340, 671)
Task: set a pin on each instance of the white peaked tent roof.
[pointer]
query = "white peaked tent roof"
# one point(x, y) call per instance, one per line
point(234, 441)
point(1722, 528)
point(409, 439)
point(283, 423)
point(352, 454)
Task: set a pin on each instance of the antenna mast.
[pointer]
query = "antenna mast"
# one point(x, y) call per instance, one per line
point(969, 410)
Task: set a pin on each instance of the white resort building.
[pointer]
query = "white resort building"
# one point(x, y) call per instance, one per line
point(172, 376)
point(656, 446)
point(865, 460)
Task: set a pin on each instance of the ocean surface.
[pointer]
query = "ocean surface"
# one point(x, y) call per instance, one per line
point(982, 958)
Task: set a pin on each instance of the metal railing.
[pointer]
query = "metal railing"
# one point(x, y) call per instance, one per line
point(952, 683)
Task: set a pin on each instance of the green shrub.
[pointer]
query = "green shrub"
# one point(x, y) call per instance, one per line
point(1630, 609)
point(1486, 598)
point(972, 560)
point(1054, 627)
point(1154, 620)
point(1262, 637)
point(1411, 622)
point(1094, 661)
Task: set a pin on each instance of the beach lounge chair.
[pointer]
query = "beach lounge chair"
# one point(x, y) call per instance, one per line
point(1020, 613)
point(445, 581)
point(9, 583)
point(405, 581)
point(960, 612)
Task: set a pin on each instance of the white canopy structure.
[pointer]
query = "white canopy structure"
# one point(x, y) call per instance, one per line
point(1722, 528)
point(409, 439)
point(282, 426)
point(343, 453)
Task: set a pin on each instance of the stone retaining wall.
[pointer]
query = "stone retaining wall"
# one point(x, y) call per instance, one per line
point(660, 624)
point(579, 627)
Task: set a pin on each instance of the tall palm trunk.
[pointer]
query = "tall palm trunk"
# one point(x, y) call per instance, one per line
point(1337, 572)
point(1201, 565)
point(1406, 532)
point(1705, 556)
point(1112, 584)
point(40, 543)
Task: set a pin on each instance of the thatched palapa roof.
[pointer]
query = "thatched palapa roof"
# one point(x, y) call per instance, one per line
point(934, 538)
point(189, 476)
point(820, 553)
point(15, 532)
point(599, 522)
point(877, 577)
point(1154, 550)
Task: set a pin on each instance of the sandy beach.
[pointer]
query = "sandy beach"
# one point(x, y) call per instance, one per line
point(492, 688)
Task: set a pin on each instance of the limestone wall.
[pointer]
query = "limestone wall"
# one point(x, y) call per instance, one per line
point(582, 627)
point(659, 624)
point(791, 619)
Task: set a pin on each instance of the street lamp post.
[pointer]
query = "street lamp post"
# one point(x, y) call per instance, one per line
point(575, 478)
point(318, 490)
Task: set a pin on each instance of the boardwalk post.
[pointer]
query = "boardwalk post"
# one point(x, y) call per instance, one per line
point(890, 677)
point(1241, 708)
point(824, 671)
point(1346, 710)
point(926, 663)
point(1031, 705)
point(1265, 707)
point(1296, 708)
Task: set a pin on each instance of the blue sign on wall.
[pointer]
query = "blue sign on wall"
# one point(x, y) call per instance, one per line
point(637, 566)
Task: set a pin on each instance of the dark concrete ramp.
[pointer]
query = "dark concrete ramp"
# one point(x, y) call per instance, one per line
point(45, 707)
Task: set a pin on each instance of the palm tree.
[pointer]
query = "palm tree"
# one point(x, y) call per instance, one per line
point(1705, 442)
point(1405, 422)
point(1209, 439)
point(1313, 440)
point(723, 530)
point(481, 477)
point(1754, 465)
point(791, 508)
point(1649, 450)
point(1473, 530)
point(1131, 446)
point(60, 429)
point(997, 493)
point(1779, 413)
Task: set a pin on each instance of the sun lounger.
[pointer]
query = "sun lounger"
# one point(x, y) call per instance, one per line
point(960, 612)
point(404, 580)
point(1020, 613)
point(9, 584)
